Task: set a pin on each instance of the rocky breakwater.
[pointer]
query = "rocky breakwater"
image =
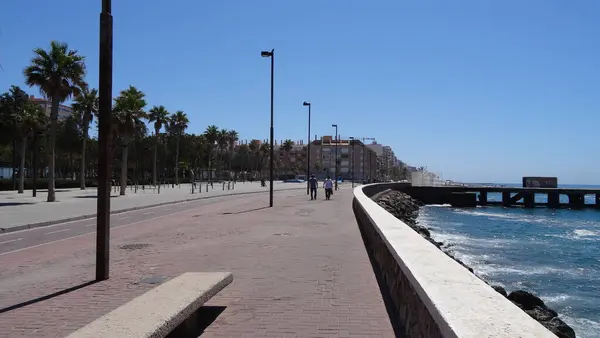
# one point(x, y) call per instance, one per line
point(406, 209)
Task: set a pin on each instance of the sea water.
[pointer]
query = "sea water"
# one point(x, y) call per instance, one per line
point(554, 254)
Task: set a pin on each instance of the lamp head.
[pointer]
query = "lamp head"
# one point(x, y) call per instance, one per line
point(266, 54)
point(306, 103)
point(334, 125)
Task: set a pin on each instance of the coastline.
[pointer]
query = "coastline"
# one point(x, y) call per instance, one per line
point(406, 209)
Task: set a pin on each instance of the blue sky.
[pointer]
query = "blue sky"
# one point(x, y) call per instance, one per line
point(477, 90)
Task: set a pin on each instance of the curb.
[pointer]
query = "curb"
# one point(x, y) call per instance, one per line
point(116, 212)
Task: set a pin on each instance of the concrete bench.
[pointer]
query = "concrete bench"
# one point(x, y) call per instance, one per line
point(159, 311)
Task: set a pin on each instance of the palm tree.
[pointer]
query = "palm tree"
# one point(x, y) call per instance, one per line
point(232, 137)
point(14, 103)
point(27, 121)
point(59, 72)
point(178, 123)
point(287, 147)
point(243, 151)
point(159, 115)
point(263, 155)
point(254, 147)
point(128, 114)
point(85, 106)
point(222, 143)
point(211, 134)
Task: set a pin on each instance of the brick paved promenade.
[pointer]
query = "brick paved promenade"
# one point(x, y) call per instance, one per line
point(300, 269)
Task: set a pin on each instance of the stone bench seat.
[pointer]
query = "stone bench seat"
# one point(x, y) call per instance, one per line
point(159, 311)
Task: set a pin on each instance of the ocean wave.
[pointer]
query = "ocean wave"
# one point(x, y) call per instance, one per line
point(584, 327)
point(558, 298)
point(578, 235)
point(465, 241)
point(586, 233)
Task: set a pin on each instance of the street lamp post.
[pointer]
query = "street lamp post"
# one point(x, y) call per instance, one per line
point(308, 150)
point(104, 139)
point(271, 54)
point(336, 155)
point(353, 159)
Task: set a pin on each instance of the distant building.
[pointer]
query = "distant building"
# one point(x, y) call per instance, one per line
point(356, 160)
point(63, 111)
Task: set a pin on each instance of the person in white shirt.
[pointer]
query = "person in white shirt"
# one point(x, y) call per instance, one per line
point(328, 185)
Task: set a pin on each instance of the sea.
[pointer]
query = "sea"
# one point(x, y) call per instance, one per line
point(554, 254)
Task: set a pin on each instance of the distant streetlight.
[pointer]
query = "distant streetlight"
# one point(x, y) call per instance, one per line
point(352, 140)
point(104, 139)
point(271, 54)
point(308, 150)
point(336, 155)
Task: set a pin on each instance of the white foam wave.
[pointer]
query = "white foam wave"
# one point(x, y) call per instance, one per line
point(586, 233)
point(558, 298)
point(584, 328)
point(578, 235)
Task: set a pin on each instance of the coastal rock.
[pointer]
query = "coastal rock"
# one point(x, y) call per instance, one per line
point(527, 300)
point(559, 328)
point(500, 290)
point(540, 313)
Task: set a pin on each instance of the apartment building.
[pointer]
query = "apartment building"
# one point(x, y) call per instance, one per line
point(63, 111)
point(355, 159)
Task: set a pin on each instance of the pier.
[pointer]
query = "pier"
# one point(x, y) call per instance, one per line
point(470, 196)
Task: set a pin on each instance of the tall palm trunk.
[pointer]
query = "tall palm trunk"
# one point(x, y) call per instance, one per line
point(83, 151)
point(154, 172)
point(22, 166)
point(52, 146)
point(177, 161)
point(124, 166)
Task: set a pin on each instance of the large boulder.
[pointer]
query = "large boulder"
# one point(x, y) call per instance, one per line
point(541, 313)
point(500, 290)
point(559, 328)
point(526, 299)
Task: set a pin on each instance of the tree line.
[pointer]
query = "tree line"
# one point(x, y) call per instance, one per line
point(140, 154)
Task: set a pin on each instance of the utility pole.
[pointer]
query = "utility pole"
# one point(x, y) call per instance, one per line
point(104, 142)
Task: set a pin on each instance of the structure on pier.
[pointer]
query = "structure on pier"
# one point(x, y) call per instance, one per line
point(470, 196)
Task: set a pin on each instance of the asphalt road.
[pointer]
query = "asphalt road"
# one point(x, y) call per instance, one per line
point(22, 240)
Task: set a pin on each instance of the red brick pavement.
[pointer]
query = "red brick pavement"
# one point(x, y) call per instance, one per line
point(300, 270)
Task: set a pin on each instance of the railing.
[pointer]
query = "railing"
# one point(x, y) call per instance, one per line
point(428, 294)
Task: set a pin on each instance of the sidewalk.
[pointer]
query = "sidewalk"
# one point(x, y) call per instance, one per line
point(300, 270)
point(21, 211)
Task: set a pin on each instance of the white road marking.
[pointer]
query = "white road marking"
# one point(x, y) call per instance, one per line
point(125, 217)
point(89, 225)
point(116, 227)
point(90, 233)
point(149, 213)
point(12, 240)
point(57, 231)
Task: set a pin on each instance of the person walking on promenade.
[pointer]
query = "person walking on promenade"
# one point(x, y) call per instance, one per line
point(313, 187)
point(328, 185)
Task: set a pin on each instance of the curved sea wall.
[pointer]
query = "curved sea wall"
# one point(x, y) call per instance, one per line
point(427, 292)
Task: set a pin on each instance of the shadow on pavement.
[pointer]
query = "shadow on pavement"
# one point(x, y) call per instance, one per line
point(11, 204)
point(43, 298)
point(244, 211)
point(93, 196)
point(55, 190)
point(195, 325)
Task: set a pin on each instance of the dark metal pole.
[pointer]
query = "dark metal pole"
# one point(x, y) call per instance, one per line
point(308, 151)
point(272, 134)
point(353, 159)
point(104, 140)
point(364, 157)
point(14, 165)
point(34, 164)
point(337, 141)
